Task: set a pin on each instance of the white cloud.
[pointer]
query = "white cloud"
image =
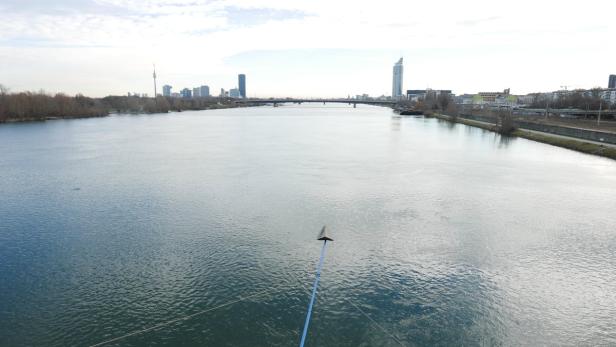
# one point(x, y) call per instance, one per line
point(107, 46)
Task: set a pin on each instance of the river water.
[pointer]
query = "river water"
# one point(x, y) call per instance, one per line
point(444, 234)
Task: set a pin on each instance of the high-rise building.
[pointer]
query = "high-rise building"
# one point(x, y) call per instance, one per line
point(204, 91)
point(241, 81)
point(612, 82)
point(196, 92)
point(234, 93)
point(167, 90)
point(396, 91)
point(186, 93)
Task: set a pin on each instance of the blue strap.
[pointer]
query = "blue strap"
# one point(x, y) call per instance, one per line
point(314, 294)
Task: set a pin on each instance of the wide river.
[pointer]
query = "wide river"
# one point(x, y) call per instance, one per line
point(444, 234)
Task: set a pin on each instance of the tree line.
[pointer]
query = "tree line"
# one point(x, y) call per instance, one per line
point(579, 99)
point(31, 106)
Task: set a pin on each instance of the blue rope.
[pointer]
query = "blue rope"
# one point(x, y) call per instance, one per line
point(314, 294)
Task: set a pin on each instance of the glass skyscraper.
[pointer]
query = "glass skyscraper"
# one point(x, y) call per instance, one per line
point(241, 81)
point(167, 90)
point(205, 91)
point(396, 91)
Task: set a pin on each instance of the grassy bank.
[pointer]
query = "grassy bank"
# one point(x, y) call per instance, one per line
point(576, 145)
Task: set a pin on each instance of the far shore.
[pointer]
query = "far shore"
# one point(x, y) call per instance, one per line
point(115, 113)
point(29, 107)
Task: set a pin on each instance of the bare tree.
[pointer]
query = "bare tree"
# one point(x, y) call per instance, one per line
point(505, 124)
point(444, 100)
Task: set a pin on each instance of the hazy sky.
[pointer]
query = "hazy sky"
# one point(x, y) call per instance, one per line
point(305, 47)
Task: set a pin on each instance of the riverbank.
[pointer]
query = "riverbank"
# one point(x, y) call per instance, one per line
point(579, 145)
point(28, 107)
point(115, 112)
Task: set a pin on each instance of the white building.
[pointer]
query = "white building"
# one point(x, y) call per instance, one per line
point(234, 93)
point(466, 99)
point(396, 90)
point(196, 92)
point(609, 95)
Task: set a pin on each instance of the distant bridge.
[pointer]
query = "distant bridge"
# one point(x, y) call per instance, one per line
point(353, 102)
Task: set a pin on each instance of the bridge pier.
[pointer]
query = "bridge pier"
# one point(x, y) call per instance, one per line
point(354, 105)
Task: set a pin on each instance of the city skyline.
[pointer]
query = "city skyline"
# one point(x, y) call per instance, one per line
point(291, 48)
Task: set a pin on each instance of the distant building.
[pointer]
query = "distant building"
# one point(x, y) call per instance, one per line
point(167, 90)
point(234, 93)
point(222, 92)
point(612, 83)
point(490, 97)
point(186, 93)
point(396, 90)
point(196, 92)
point(526, 99)
point(612, 96)
point(415, 91)
point(465, 99)
point(608, 95)
point(204, 91)
point(418, 94)
point(415, 94)
point(241, 82)
point(176, 95)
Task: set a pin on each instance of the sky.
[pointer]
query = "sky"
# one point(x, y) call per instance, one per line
point(305, 48)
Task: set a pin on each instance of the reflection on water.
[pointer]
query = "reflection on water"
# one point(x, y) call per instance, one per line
point(445, 234)
point(504, 140)
point(396, 122)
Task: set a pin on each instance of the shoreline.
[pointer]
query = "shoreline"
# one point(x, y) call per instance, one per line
point(116, 112)
point(571, 143)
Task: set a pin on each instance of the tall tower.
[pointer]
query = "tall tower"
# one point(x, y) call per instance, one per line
point(241, 82)
point(612, 82)
point(396, 90)
point(154, 76)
